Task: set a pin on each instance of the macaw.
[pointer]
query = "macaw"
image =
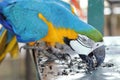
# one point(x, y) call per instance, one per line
point(52, 21)
point(8, 44)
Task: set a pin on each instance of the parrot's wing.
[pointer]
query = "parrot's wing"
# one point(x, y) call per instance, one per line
point(23, 16)
point(25, 22)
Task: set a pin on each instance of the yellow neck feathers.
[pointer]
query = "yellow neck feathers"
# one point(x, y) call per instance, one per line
point(56, 35)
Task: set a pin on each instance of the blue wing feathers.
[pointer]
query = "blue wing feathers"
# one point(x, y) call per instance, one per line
point(9, 34)
point(5, 23)
point(26, 24)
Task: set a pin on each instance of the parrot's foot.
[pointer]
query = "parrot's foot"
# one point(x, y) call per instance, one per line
point(57, 52)
point(27, 47)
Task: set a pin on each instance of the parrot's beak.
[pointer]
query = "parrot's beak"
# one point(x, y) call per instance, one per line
point(99, 54)
point(93, 53)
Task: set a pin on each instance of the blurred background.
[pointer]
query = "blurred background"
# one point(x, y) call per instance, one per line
point(105, 17)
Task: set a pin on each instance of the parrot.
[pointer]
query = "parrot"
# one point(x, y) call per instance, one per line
point(51, 21)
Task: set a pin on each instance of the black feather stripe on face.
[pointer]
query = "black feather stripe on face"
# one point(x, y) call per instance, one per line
point(67, 41)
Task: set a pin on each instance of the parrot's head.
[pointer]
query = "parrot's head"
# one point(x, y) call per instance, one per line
point(87, 47)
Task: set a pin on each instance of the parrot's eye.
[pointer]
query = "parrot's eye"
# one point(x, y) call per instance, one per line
point(84, 39)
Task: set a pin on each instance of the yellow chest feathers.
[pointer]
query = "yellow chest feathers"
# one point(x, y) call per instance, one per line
point(56, 35)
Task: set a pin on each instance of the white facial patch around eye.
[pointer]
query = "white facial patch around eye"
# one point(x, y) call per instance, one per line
point(80, 48)
point(85, 40)
point(85, 47)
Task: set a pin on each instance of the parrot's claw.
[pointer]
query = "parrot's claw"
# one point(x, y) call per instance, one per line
point(23, 47)
point(27, 47)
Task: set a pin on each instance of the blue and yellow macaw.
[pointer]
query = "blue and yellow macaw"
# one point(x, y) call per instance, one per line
point(52, 21)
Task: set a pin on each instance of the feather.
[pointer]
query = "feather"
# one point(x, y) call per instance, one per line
point(8, 44)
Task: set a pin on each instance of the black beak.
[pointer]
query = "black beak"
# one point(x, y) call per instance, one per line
point(99, 54)
point(93, 59)
point(88, 60)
